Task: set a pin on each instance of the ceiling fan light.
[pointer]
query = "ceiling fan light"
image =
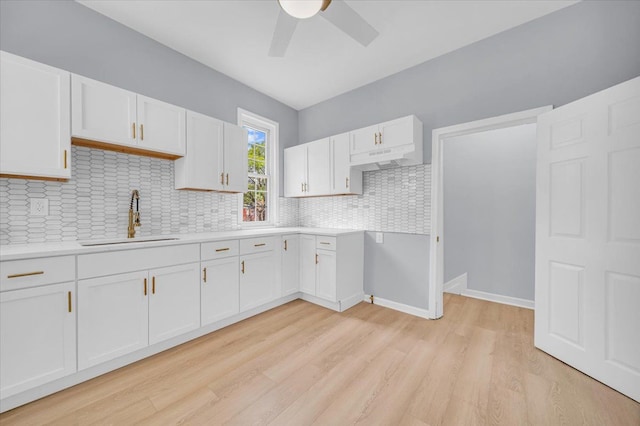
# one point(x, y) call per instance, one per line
point(301, 9)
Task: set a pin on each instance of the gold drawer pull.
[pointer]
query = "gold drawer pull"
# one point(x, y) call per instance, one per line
point(316, 258)
point(69, 300)
point(285, 245)
point(153, 285)
point(260, 245)
point(134, 129)
point(204, 272)
point(145, 286)
point(65, 159)
point(222, 249)
point(325, 243)
point(243, 266)
point(26, 274)
point(142, 132)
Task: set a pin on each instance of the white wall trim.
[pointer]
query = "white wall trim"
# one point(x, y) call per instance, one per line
point(436, 256)
point(456, 285)
point(411, 310)
point(505, 300)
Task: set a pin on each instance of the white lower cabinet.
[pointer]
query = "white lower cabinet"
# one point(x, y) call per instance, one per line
point(220, 289)
point(37, 336)
point(290, 269)
point(122, 313)
point(257, 279)
point(308, 264)
point(326, 274)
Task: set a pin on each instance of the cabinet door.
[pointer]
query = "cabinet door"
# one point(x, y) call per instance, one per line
point(161, 126)
point(308, 264)
point(235, 158)
point(345, 180)
point(295, 170)
point(257, 279)
point(198, 169)
point(102, 112)
point(363, 140)
point(397, 132)
point(319, 167)
point(220, 291)
point(112, 317)
point(37, 336)
point(35, 134)
point(290, 246)
point(326, 275)
point(174, 304)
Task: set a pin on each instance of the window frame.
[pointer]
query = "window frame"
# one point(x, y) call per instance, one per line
point(272, 131)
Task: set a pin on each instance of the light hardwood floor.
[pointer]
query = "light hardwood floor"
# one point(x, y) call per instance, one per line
point(301, 364)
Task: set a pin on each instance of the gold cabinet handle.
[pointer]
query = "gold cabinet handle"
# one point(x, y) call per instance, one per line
point(204, 272)
point(222, 249)
point(325, 243)
point(69, 301)
point(153, 285)
point(242, 263)
point(25, 274)
point(145, 286)
point(65, 159)
point(380, 139)
point(142, 132)
point(260, 245)
point(227, 179)
point(222, 178)
point(134, 129)
point(316, 258)
point(375, 138)
point(285, 245)
point(302, 187)
point(346, 182)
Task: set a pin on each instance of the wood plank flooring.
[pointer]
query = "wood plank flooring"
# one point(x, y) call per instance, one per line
point(301, 364)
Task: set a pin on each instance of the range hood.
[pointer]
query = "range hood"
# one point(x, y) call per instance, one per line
point(388, 158)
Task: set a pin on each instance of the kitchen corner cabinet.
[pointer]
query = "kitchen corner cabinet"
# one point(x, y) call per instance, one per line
point(37, 336)
point(35, 129)
point(308, 169)
point(290, 270)
point(345, 180)
point(107, 117)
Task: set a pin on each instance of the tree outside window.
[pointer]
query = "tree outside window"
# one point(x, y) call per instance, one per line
point(255, 201)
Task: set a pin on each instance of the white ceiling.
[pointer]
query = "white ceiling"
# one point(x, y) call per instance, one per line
point(233, 37)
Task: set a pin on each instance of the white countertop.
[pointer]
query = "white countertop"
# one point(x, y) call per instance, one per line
point(28, 251)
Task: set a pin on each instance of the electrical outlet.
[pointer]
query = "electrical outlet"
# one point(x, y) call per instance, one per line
point(39, 206)
point(379, 237)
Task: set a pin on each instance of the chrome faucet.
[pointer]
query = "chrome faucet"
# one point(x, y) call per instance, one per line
point(134, 217)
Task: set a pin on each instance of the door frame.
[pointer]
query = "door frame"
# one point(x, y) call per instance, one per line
point(436, 253)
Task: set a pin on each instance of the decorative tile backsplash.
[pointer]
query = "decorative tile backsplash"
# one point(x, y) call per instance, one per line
point(393, 200)
point(94, 203)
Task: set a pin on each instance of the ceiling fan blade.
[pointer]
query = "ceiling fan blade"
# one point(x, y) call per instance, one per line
point(349, 21)
point(282, 34)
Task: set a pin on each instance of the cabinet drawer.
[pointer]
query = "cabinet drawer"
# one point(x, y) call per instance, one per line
point(326, 243)
point(17, 274)
point(219, 249)
point(256, 245)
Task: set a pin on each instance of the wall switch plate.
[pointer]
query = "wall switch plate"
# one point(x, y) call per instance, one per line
point(379, 237)
point(39, 206)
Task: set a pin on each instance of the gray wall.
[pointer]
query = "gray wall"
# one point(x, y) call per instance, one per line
point(490, 210)
point(68, 35)
point(553, 60)
point(395, 270)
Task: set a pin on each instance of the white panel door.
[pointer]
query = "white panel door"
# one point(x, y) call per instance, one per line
point(588, 236)
point(318, 167)
point(364, 140)
point(37, 336)
point(341, 168)
point(112, 317)
point(257, 280)
point(102, 112)
point(290, 245)
point(235, 158)
point(161, 126)
point(295, 171)
point(220, 291)
point(396, 132)
point(308, 264)
point(35, 130)
point(198, 169)
point(174, 302)
point(326, 275)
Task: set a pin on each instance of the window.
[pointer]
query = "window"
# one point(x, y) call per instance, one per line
point(259, 203)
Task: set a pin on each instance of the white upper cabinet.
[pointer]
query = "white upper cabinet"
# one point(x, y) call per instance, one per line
point(108, 117)
point(35, 132)
point(102, 112)
point(295, 171)
point(364, 140)
point(199, 168)
point(307, 169)
point(234, 159)
point(344, 179)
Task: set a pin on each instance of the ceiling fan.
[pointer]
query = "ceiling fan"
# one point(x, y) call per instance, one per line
point(337, 12)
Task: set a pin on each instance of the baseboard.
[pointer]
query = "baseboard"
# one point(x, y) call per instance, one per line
point(351, 301)
point(456, 285)
point(506, 300)
point(411, 310)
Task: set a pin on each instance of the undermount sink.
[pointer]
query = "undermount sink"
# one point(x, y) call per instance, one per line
point(86, 243)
